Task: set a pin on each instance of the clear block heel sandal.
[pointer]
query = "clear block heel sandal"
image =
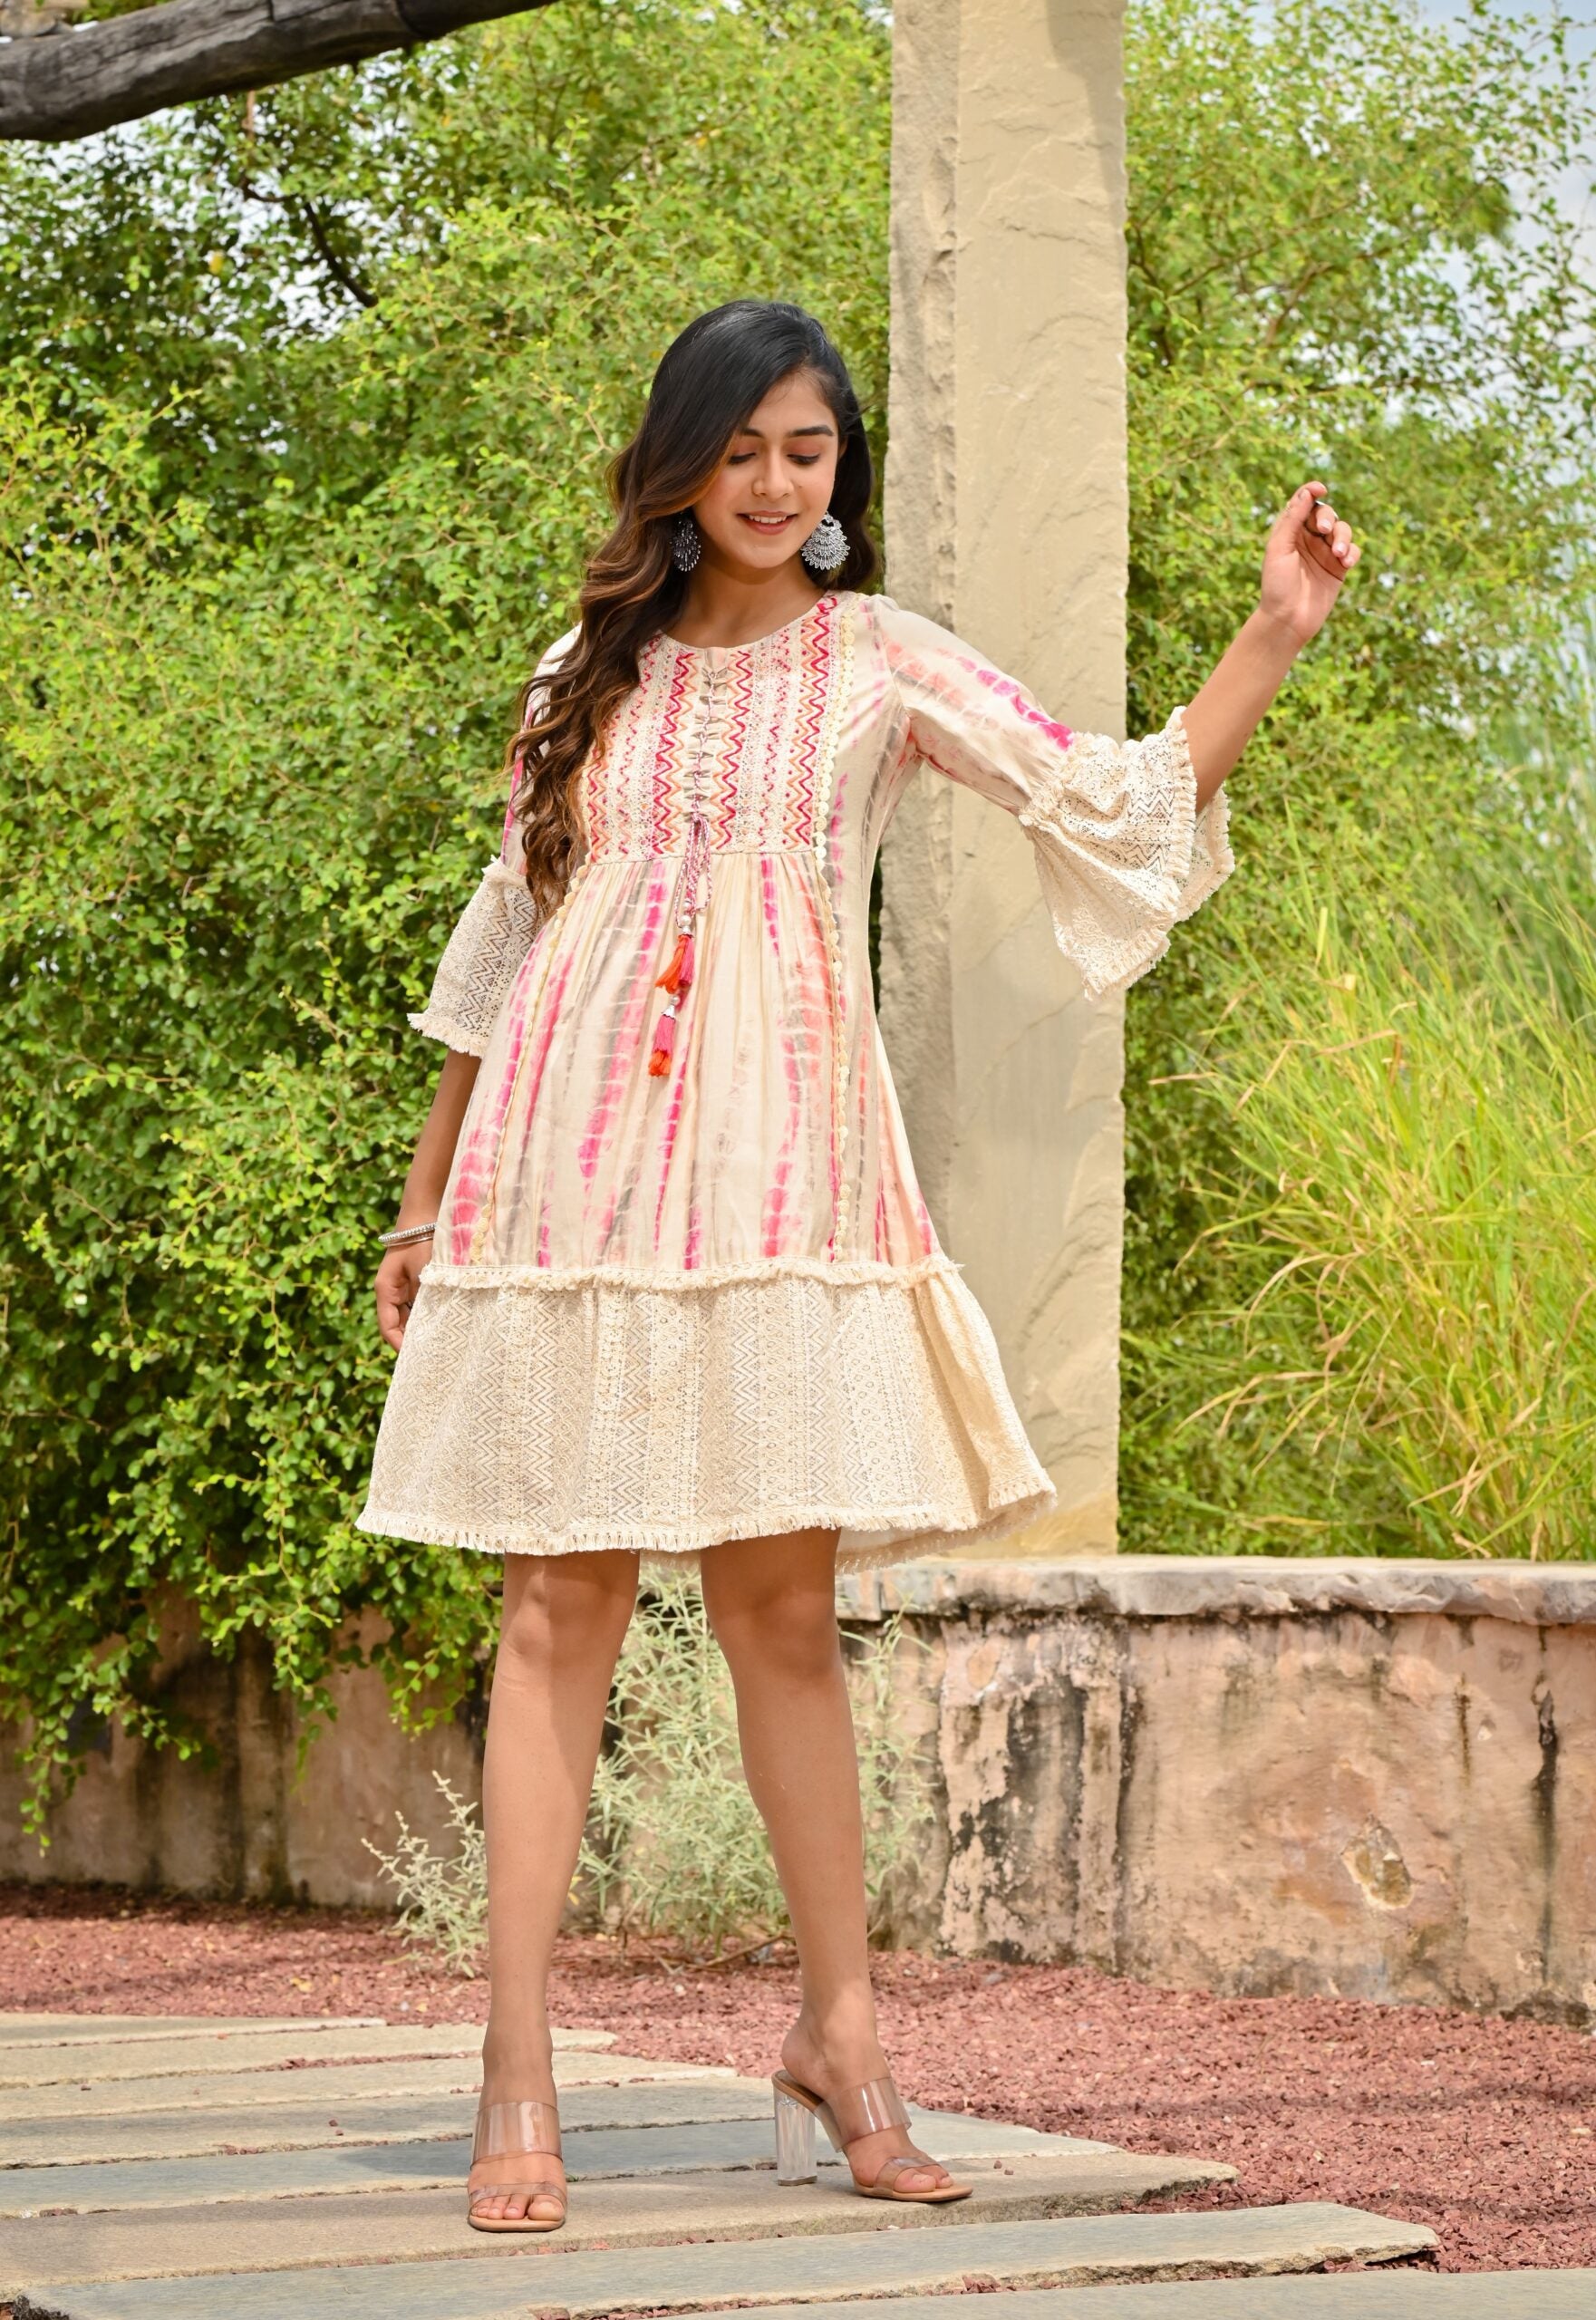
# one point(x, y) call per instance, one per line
point(861, 2111)
point(516, 2130)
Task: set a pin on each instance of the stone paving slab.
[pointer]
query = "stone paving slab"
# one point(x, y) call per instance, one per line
point(49, 2065)
point(595, 2284)
point(199, 2133)
point(94, 2029)
point(369, 2225)
point(688, 2148)
point(334, 2083)
point(1315, 2296)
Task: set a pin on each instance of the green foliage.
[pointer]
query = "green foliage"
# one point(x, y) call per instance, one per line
point(276, 573)
point(1347, 258)
point(1412, 1122)
point(675, 1847)
point(306, 406)
point(441, 1896)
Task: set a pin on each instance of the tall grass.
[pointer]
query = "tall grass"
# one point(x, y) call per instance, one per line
point(1408, 1362)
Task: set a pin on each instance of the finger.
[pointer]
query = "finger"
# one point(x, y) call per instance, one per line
point(1341, 541)
point(1296, 513)
point(391, 1319)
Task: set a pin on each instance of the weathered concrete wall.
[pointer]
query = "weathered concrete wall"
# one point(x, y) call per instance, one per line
point(1006, 520)
point(1372, 1779)
point(245, 1817)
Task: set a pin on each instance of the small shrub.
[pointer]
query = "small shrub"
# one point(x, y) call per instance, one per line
point(675, 1849)
point(442, 1897)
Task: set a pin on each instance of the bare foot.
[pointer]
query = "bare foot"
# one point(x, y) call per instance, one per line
point(829, 2067)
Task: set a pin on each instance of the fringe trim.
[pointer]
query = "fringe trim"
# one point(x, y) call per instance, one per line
point(434, 1024)
point(918, 1529)
point(857, 1274)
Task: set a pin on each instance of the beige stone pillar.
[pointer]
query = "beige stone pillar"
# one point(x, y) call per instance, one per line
point(1006, 517)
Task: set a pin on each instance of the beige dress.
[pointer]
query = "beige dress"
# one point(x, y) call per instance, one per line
point(684, 1288)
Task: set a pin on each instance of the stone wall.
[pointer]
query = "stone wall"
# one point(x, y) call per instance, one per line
point(1371, 1779)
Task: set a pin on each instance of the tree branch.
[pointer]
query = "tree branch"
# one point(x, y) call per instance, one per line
point(70, 80)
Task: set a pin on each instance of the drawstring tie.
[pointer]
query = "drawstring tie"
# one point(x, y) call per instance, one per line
point(677, 974)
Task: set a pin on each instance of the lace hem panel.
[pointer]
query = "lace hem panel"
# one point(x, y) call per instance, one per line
point(485, 952)
point(1112, 920)
point(519, 1422)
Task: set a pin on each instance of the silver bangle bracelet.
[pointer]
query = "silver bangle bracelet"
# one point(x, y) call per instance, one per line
point(403, 1235)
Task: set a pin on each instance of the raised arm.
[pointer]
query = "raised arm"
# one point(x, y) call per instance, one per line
point(1309, 553)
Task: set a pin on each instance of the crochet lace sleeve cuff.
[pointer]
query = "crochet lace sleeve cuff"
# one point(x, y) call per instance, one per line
point(484, 953)
point(1122, 854)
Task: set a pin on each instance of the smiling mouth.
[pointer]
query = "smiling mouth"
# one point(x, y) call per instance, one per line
point(766, 523)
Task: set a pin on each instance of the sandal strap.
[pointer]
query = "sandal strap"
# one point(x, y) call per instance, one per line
point(516, 2129)
point(909, 2161)
point(517, 2192)
point(867, 2110)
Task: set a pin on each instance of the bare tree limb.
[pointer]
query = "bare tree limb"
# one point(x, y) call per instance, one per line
point(70, 80)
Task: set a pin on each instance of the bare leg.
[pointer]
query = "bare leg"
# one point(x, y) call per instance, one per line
point(772, 1605)
point(564, 1620)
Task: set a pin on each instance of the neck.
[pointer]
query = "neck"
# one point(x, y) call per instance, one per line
point(727, 605)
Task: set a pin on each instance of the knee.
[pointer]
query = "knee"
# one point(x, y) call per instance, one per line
point(782, 1636)
point(565, 1608)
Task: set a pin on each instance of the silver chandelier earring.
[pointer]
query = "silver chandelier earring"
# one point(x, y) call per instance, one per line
point(827, 545)
point(685, 543)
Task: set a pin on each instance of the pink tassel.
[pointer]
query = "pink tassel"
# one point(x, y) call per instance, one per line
point(659, 1062)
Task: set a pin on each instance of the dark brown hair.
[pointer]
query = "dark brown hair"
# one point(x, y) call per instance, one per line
point(710, 382)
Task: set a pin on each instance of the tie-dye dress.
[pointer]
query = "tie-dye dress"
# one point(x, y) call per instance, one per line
point(684, 1288)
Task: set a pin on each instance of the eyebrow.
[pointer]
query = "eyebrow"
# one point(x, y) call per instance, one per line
point(789, 431)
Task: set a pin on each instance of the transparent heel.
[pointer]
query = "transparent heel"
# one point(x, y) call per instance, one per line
point(794, 2140)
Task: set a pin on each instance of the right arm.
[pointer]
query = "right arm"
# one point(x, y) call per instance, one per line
point(485, 954)
point(424, 1194)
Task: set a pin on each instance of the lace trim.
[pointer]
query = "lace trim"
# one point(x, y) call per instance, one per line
point(1112, 918)
point(841, 684)
point(431, 1025)
point(484, 953)
point(880, 1537)
point(860, 1273)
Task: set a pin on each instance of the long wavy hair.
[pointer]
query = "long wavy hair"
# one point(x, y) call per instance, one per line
point(708, 383)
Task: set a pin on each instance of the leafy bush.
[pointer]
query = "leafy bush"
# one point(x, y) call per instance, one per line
point(266, 634)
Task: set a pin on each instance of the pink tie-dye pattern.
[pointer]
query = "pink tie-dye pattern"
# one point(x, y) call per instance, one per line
point(774, 1202)
point(636, 1027)
point(472, 1209)
point(1007, 689)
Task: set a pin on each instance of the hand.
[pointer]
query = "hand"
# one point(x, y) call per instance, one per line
point(1309, 553)
point(397, 1276)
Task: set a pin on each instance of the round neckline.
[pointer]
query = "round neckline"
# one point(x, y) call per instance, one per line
point(726, 651)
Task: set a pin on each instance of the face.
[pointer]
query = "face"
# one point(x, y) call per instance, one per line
point(775, 483)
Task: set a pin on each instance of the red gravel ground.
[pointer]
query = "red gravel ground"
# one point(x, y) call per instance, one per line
point(1484, 2129)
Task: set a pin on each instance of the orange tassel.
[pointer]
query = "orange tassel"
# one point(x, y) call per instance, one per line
point(679, 973)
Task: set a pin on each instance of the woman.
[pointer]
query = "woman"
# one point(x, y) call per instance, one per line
point(662, 1281)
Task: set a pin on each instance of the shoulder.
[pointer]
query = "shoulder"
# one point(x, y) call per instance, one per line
point(906, 634)
point(557, 652)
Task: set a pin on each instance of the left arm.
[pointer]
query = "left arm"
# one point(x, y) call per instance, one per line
point(1309, 553)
